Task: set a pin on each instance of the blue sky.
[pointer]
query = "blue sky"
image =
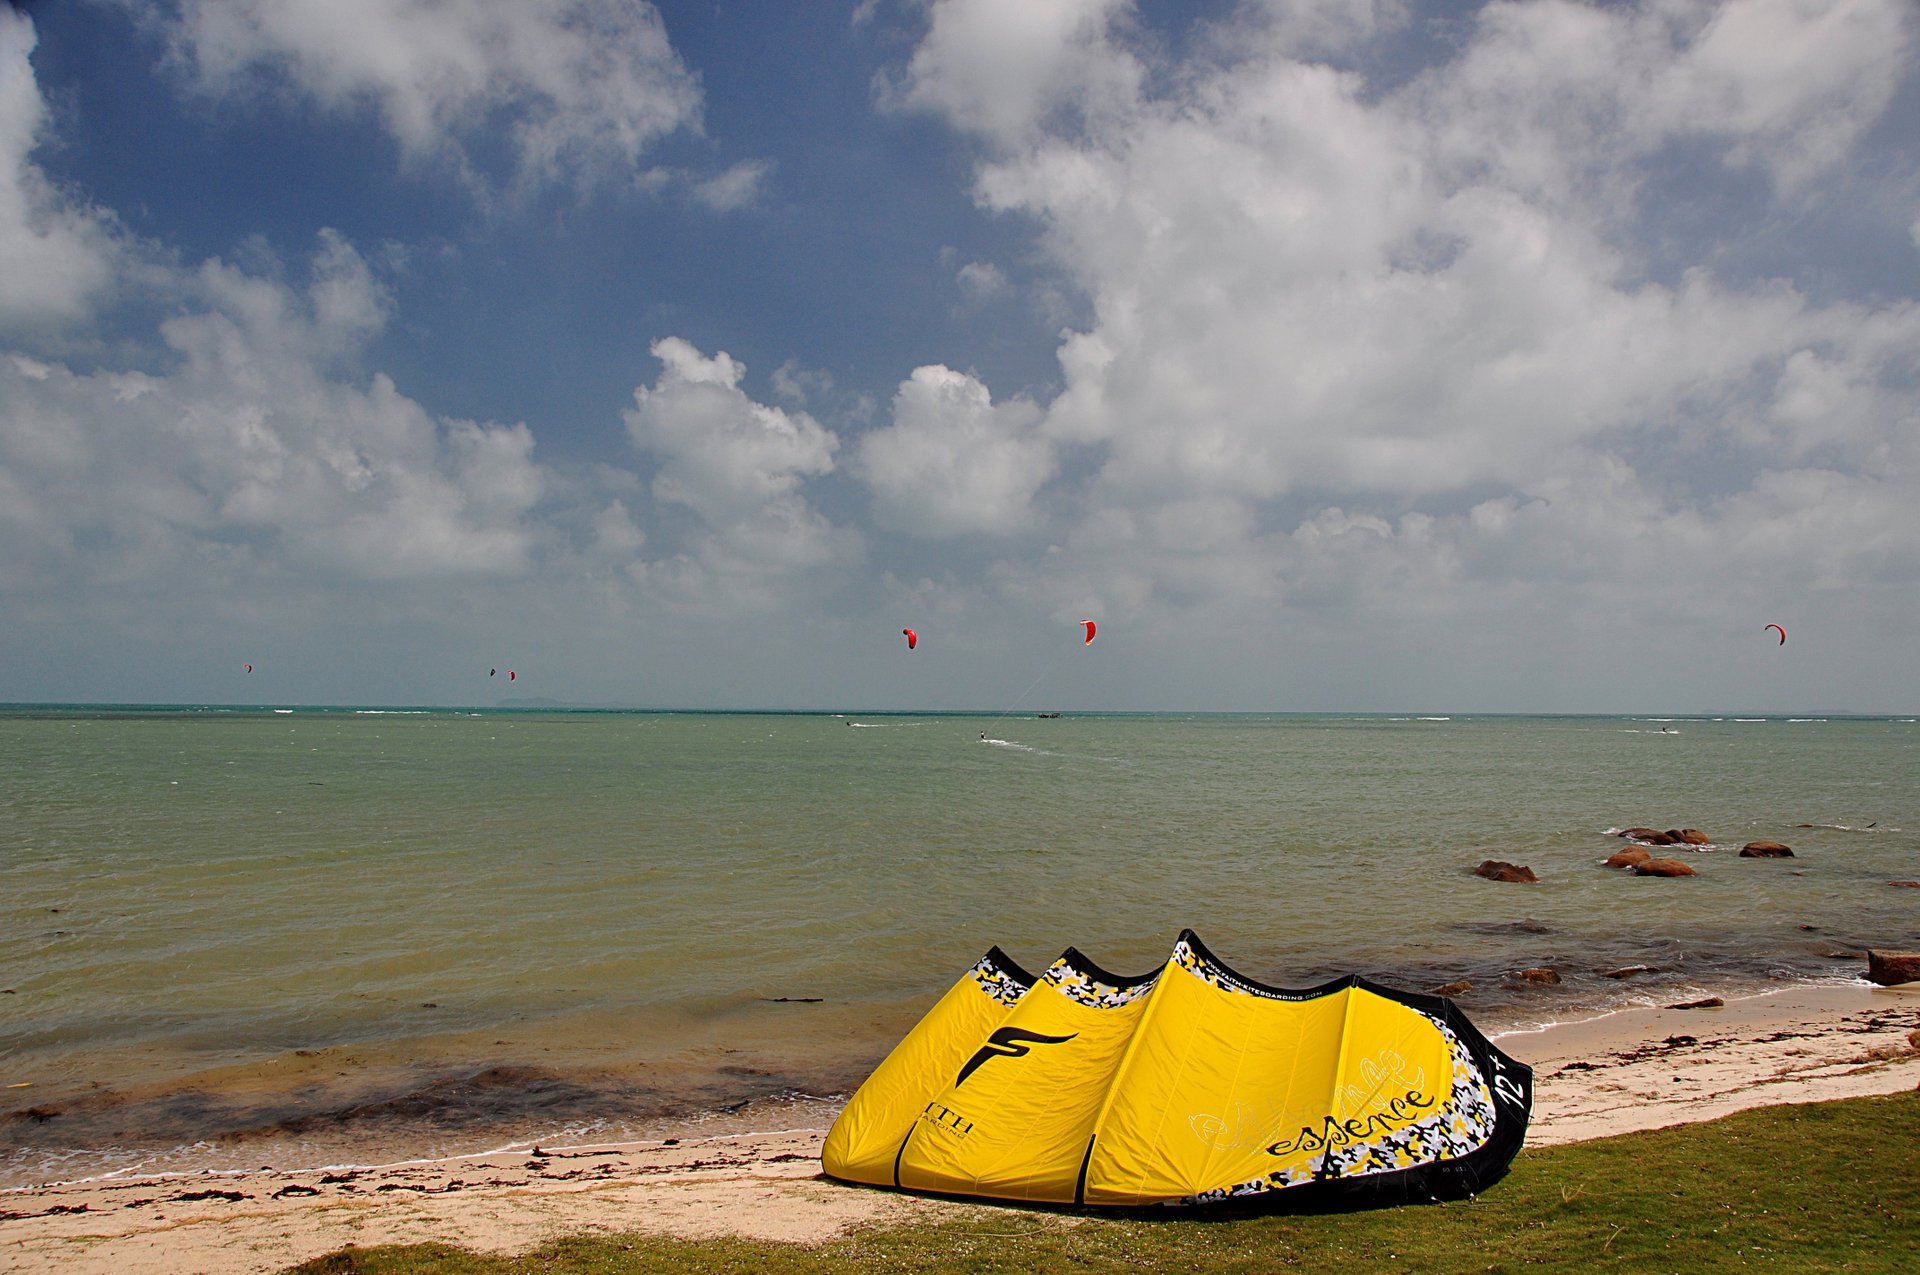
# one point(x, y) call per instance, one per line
point(1334, 355)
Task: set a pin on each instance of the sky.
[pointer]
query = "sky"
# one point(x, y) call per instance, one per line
point(1334, 355)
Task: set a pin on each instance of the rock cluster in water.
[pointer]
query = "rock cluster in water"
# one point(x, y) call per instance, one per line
point(1894, 967)
point(1645, 863)
point(1501, 870)
point(1671, 837)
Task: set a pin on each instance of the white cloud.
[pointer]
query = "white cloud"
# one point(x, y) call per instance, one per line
point(797, 384)
point(1329, 321)
point(577, 88)
point(247, 448)
point(1793, 82)
point(982, 281)
point(738, 187)
point(615, 534)
point(1296, 284)
point(740, 466)
point(721, 453)
point(952, 462)
point(56, 256)
point(1570, 95)
point(1001, 68)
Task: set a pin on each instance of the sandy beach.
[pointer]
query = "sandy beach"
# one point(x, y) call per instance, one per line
point(1636, 1069)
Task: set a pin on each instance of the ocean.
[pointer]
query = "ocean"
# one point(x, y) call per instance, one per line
point(236, 937)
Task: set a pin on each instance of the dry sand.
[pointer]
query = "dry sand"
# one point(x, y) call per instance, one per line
point(1639, 1069)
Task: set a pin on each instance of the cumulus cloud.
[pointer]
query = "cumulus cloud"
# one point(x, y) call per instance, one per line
point(1309, 292)
point(740, 466)
point(1573, 95)
point(249, 449)
point(578, 89)
point(720, 452)
point(952, 461)
point(56, 255)
point(1791, 83)
point(1004, 68)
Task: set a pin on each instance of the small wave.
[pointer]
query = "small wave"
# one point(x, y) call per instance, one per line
point(1433, 719)
point(1734, 992)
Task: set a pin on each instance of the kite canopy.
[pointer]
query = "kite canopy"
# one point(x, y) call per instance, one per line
point(1193, 1084)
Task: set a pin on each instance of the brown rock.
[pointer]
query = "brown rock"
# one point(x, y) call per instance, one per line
point(1641, 834)
point(1911, 885)
point(1663, 868)
point(1501, 870)
point(1632, 856)
point(1765, 850)
point(1913, 1038)
point(1453, 989)
point(1538, 974)
point(1658, 839)
point(1690, 836)
point(1705, 1002)
point(1892, 968)
point(1628, 971)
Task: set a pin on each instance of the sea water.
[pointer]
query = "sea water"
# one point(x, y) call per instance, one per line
point(240, 936)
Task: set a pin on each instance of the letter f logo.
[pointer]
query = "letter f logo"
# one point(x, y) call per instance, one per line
point(1007, 1042)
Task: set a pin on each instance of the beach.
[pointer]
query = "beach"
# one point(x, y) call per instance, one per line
point(1621, 1072)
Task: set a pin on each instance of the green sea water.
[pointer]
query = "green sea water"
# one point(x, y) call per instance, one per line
point(243, 936)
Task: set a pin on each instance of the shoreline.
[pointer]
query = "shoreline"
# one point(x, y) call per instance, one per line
point(373, 1104)
point(1619, 1072)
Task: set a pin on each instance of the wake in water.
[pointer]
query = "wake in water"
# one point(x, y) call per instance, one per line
point(1849, 827)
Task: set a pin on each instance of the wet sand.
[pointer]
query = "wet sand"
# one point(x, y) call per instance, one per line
point(1637, 1069)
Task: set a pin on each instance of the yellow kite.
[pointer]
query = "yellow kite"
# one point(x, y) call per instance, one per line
point(1193, 1084)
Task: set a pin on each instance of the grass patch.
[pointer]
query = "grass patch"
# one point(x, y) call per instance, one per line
point(1819, 1187)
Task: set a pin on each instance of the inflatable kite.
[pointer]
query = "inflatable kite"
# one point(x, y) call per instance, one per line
point(1192, 1085)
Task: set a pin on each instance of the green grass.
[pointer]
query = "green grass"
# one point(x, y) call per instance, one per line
point(1820, 1187)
